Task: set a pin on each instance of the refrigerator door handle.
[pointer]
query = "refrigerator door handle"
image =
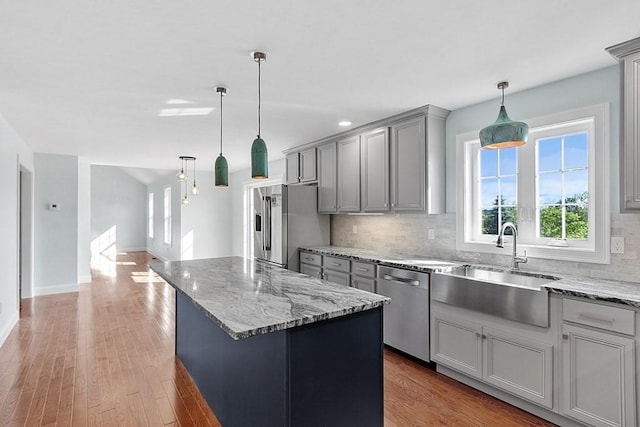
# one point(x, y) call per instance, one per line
point(267, 223)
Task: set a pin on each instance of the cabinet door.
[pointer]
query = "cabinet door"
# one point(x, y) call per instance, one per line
point(327, 178)
point(408, 165)
point(364, 283)
point(457, 344)
point(336, 277)
point(292, 168)
point(598, 377)
point(375, 171)
point(520, 366)
point(349, 174)
point(310, 270)
point(307, 160)
point(631, 147)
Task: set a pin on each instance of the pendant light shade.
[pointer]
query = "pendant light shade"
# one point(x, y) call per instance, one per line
point(259, 155)
point(221, 167)
point(504, 132)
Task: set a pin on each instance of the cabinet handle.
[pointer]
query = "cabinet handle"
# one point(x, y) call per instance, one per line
point(362, 269)
point(478, 334)
point(593, 317)
point(337, 264)
point(386, 204)
point(393, 205)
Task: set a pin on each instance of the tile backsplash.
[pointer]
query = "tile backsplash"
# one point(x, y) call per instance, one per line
point(408, 234)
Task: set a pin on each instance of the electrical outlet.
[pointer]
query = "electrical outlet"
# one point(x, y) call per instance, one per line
point(431, 234)
point(354, 229)
point(617, 244)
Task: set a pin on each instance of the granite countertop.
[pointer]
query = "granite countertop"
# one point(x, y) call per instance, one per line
point(247, 298)
point(585, 287)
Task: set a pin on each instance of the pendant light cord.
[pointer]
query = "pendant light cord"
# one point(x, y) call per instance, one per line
point(259, 97)
point(221, 94)
point(194, 171)
point(502, 102)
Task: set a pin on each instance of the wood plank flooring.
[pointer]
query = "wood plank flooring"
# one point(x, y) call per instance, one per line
point(105, 356)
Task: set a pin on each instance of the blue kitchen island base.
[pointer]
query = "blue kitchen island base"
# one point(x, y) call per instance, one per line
point(327, 373)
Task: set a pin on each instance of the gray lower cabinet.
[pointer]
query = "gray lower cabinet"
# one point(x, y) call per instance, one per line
point(349, 174)
point(363, 276)
point(375, 171)
point(599, 363)
point(327, 178)
point(311, 270)
point(506, 359)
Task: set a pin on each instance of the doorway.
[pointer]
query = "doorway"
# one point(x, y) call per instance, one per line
point(25, 235)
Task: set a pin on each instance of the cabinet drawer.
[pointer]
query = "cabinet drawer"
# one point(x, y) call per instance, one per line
point(338, 264)
point(311, 270)
point(599, 316)
point(309, 258)
point(364, 283)
point(363, 269)
point(336, 277)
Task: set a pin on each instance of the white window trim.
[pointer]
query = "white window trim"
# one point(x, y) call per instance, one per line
point(151, 212)
point(167, 214)
point(600, 174)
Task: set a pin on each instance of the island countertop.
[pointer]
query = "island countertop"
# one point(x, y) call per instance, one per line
point(247, 298)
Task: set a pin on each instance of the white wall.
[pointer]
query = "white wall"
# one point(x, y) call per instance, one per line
point(55, 232)
point(156, 246)
point(118, 210)
point(14, 152)
point(592, 88)
point(206, 223)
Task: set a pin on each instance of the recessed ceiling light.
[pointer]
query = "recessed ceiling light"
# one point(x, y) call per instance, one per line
point(190, 111)
point(344, 123)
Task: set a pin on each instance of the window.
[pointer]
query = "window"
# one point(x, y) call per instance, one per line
point(167, 215)
point(554, 188)
point(150, 215)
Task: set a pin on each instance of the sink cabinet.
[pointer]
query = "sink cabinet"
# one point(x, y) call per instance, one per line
point(598, 363)
point(505, 357)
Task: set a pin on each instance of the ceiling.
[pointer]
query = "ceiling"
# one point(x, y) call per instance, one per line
point(89, 78)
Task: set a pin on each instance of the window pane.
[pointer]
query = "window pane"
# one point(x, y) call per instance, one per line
point(507, 161)
point(575, 151)
point(489, 162)
point(509, 191)
point(489, 192)
point(550, 188)
point(576, 186)
point(551, 222)
point(490, 221)
point(577, 218)
point(549, 154)
point(510, 214)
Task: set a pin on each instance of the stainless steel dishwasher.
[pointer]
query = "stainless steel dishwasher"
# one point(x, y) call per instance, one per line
point(406, 319)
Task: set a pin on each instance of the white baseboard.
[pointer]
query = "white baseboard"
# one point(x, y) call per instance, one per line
point(160, 258)
point(58, 289)
point(85, 279)
point(4, 333)
point(142, 249)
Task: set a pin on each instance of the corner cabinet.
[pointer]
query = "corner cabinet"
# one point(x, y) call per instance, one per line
point(629, 55)
point(301, 167)
point(327, 178)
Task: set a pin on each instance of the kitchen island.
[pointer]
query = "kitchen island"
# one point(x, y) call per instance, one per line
point(270, 347)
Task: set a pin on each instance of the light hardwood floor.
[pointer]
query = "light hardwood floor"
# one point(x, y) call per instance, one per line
point(105, 356)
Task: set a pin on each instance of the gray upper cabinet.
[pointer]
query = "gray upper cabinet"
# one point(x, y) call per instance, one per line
point(349, 174)
point(301, 167)
point(417, 163)
point(375, 171)
point(629, 55)
point(327, 178)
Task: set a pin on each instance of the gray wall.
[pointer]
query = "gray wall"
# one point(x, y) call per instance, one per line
point(118, 200)
point(56, 232)
point(13, 152)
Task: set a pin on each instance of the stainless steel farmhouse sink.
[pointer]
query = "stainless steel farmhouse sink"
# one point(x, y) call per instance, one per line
point(511, 295)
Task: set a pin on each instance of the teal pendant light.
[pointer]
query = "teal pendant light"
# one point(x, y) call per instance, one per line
point(504, 132)
point(259, 156)
point(221, 167)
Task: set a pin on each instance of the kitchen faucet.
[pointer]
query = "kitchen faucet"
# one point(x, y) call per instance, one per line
point(515, 259)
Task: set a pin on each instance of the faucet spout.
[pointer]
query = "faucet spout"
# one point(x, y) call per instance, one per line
point(515, 259)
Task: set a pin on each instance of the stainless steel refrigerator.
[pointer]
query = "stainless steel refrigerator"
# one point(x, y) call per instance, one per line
point(285, 219)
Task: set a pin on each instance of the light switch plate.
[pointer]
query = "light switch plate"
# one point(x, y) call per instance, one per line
point(431, 234)
point(617, 244)
point(354, 229)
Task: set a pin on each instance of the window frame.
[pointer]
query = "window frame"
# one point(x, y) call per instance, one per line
point(167, 226)
point(150, 215)
point(599, 203)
